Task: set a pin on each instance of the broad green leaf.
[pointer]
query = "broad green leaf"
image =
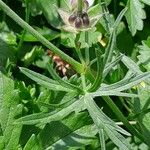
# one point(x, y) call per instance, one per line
point(2, 142)
point(68, 39)
point(6, 52)
point(135, 15)
point(144, 56)
point(45, 32)
point(45, 81)
point(6, 35)
point(73, 132)
point(9, 109)
point(33, 143)
point(49, 10)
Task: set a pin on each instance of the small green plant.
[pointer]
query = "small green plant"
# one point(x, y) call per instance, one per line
point(69, 112)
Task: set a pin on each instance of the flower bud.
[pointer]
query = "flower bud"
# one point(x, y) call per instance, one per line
point(72, 18)
point(78, 22)
point(85, 19)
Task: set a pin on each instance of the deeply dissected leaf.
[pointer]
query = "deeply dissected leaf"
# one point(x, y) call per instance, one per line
point(43, 118)
point(105, 123)
point(126, 83)
point(135, 15)
point(45, 81)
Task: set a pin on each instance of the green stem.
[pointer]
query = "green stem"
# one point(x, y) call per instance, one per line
point(76, 65)
point(83, 82)
point(87, 53)
point(120, 115)
point(78, 50)
point(80, 6)
point(100, 68)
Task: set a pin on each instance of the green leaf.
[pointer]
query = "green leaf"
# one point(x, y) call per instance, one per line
point(102, 139)
point(105, 123)
point(43, 118)
point(111, 65)
point(73, 132)
point(6, 35)
point(9, 109)
point(135, 15)
point(113, 93)
point(142, 105)
point(144, 56)
point(126, 83)
point(146, 2)
point(33, 143)
point(68, 39)
point(45, 81)
point(45, 32)
point(6, 52)
point(61, 81)
point(50, 12)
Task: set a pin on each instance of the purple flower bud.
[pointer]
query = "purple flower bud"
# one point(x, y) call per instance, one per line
point(72, 18)
point(78, 22)
point(85, 19)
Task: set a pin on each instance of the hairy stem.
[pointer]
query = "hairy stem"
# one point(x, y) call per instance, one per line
point(80, 6)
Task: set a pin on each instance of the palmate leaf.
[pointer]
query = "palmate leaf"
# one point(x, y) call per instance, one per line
point(125, 83)
point(9, 108)
point(46, 82)
point(105, 123)
point(43, 118)
point(135, 15)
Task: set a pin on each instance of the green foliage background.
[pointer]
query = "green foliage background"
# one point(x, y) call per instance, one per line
point(43, 109)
